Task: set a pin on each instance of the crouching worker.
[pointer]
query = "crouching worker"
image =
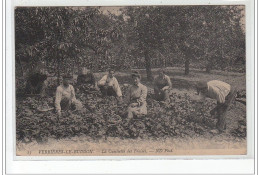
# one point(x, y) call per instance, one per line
point(109, 86)
point(86, 77)
point(136, 98)
point(65, 97)
point(223, 93)
point(162, 86)
point(36, 83)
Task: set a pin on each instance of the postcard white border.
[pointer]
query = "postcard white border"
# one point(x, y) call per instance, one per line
point(66, 165)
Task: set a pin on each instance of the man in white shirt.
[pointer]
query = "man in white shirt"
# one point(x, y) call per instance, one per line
point(109, 86)
point(65, 97)
point(223, 93)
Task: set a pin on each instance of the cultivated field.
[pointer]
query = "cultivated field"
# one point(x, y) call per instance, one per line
point(183, 123)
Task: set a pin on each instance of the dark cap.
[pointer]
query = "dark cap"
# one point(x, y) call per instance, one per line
point(201, 86)
point(136, 74)
point(162, 70)
point(111, 69)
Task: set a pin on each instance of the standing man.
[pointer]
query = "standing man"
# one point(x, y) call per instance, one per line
point(223, 93)
point(136, 97)
point(162, 86)
point(65, 97)
point(109, 86)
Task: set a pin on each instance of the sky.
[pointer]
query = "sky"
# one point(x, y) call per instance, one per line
point(113, 10)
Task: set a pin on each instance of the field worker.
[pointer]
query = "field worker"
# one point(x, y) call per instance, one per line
point(223, 93)
point(36, 82)
point(136, 97)
point(109, 85)
point(65, 97)
point(162, 86)
point(86, 77)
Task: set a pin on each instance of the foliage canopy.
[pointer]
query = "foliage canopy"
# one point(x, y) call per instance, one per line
point(65, 38)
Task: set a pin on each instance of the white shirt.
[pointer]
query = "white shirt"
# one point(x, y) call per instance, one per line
point(64, 93)
point(137, 94)
point(218, 90)
point(111, 82)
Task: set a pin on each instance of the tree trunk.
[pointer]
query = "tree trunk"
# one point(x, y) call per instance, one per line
point(59, 67)
point(209, 64)
point(165, 62)
point(186, 51)
point(94, 63)
point(187, 66)
point(47, 65)
point(208, 68)
point(148, 66)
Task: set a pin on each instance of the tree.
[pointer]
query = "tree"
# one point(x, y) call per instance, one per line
point(206, 34)
point(144, 33)
point(221, 35)
point(61, 35)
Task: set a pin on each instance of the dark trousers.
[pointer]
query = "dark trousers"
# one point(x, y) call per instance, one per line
point(66, 105)
point(107, 91)
point(39, 88)
point(161, 95)
point(221, 109)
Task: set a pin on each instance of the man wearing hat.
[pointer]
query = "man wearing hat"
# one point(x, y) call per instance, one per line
point(136, 97)
point(109, 85)
point(65, 97)
point(162, 86)
point(223, 93)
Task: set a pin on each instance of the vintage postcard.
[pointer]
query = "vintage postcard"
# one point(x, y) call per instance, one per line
point(130, 80)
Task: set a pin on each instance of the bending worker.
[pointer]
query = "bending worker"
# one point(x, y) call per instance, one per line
point(223, 93)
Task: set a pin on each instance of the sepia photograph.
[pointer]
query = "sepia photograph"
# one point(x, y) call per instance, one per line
point(130, 80)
